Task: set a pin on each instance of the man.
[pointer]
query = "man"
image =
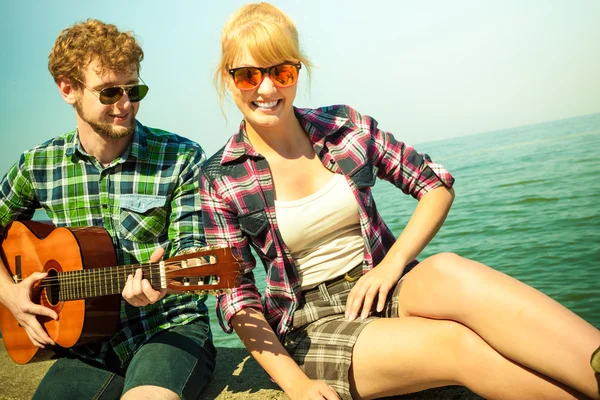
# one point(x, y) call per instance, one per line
point(140, 184)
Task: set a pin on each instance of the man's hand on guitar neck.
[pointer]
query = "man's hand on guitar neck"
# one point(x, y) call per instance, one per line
point(138, 292)
point(16, 297)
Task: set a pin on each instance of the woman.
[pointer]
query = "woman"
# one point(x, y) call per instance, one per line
point(347, 310)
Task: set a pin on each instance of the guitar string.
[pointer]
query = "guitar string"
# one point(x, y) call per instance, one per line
point(73, 276)
point(120, 272)
point(73, 292)
point(76, 275)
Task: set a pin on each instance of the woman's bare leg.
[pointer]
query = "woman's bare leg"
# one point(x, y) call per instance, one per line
point(518, 321)
point(404, 355)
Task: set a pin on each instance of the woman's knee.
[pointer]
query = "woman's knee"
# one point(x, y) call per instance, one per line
point(462, 347)
point(443, 262)
point(452, 269)
point(457, 338)
point(452, 345)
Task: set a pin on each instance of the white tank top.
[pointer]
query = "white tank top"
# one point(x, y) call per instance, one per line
point(322, 231)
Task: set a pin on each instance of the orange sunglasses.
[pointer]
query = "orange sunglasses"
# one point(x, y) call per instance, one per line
point(248, 78)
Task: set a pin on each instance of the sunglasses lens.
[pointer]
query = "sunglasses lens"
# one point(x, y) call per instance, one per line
point(284, 75)
point(247, 78)
point(113, 94)
point(137, 93)
point(110, 95)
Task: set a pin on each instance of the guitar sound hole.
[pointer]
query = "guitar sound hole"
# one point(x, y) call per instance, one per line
point(53, 289)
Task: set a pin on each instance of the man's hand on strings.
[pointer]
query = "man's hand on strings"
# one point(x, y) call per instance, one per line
point(138, 292)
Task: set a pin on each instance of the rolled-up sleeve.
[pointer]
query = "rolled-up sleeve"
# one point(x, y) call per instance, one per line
point(221, 227)
point(17, 195)
point(185, 229)
point(399, 163)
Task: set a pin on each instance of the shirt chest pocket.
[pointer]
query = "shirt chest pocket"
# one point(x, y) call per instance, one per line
point(143, 217)
point(364, 178)
point(254, 225)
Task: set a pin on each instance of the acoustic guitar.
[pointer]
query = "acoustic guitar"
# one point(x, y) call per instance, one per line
point(84, 284)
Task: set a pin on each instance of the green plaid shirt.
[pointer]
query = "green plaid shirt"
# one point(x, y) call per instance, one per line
point(145, 199)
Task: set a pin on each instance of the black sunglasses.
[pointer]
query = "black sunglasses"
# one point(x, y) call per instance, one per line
point(111, 95)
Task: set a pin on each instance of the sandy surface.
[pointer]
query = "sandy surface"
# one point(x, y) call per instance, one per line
point(237, 376)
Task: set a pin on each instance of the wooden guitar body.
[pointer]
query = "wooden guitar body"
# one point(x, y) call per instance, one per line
point(30, 247)
point(84, 284)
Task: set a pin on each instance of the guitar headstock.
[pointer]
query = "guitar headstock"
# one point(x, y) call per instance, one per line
point(212, 269)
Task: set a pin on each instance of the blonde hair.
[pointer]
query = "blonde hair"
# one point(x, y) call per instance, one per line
point(265, 32)
point(93, 40)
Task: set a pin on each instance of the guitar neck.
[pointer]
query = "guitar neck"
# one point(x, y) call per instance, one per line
point(95, 282)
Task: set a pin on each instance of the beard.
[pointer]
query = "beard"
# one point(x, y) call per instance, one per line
point(105, 129)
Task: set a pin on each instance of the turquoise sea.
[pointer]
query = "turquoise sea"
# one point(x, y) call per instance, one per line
point(527, 203)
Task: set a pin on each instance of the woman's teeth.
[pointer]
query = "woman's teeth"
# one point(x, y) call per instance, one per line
point(269, 104)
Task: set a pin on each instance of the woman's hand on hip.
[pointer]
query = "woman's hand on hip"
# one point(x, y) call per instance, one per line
point(376, 283)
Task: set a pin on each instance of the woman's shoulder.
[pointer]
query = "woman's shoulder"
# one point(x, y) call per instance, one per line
point(212, 166)
point(328, 112)
point(334, 121)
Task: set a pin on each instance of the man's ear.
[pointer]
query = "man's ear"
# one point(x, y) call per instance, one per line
point(66, 89)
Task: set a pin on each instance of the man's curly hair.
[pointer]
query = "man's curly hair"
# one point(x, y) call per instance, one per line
point(93, 40)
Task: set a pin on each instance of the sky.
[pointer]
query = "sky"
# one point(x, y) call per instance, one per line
point(426, 70)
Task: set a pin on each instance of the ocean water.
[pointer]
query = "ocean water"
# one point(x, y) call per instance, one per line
point(527, 204)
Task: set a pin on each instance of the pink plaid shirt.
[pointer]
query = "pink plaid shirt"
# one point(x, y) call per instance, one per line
point(238, 208)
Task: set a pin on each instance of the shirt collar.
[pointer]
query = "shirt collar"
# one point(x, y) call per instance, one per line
point(72, 144)
point(319, 123)
point(238, 146)
point(138, 147)
point(323, 123)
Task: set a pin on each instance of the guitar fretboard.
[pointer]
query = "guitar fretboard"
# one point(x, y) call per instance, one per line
point(82, 284)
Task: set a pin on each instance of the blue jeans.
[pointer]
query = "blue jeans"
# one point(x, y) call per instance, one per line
point(181, 359)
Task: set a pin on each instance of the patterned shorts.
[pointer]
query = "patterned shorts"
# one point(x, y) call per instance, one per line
point(322, 339)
